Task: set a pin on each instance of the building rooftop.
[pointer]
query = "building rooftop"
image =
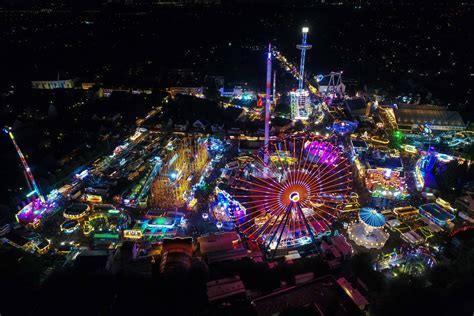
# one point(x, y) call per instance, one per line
point(324, 296)
point(354, 294)
point(435, 116)
point(92, 260)
point(341, 244)
point(218, 242)
point(176, 254)
point(225, 288)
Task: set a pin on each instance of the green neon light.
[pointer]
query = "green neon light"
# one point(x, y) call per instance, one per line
point(160, 221)
point(106, 236)
point(31, 193)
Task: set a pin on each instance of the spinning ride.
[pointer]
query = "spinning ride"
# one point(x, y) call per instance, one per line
point(368, 232)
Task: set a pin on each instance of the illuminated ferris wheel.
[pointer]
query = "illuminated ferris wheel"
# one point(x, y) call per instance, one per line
point(293, 200)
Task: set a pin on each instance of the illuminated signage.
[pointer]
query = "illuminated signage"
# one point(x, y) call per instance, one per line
point(132, 234)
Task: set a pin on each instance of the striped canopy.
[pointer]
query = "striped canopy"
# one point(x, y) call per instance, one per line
point(371, 217)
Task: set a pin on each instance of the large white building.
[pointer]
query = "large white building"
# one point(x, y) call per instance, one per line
point(52, 84)
point(409, 117)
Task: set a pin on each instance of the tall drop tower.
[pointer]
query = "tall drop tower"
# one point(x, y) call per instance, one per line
point(303, 47)
point(268, 93)
point(300, 102)
point(29, 176)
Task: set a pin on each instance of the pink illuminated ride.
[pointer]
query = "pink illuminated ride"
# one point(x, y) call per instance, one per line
point(31, 180)
point(32, 213)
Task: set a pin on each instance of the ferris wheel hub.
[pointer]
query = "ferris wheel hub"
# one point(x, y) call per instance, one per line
point(294, 196)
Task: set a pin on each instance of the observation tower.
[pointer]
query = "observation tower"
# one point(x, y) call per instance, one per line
point(300, 101)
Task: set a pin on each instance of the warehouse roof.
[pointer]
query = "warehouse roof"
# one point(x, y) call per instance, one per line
point(433, 115)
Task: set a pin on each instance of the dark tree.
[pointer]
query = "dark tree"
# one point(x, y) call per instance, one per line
point(453, 176)
point(361, 265)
